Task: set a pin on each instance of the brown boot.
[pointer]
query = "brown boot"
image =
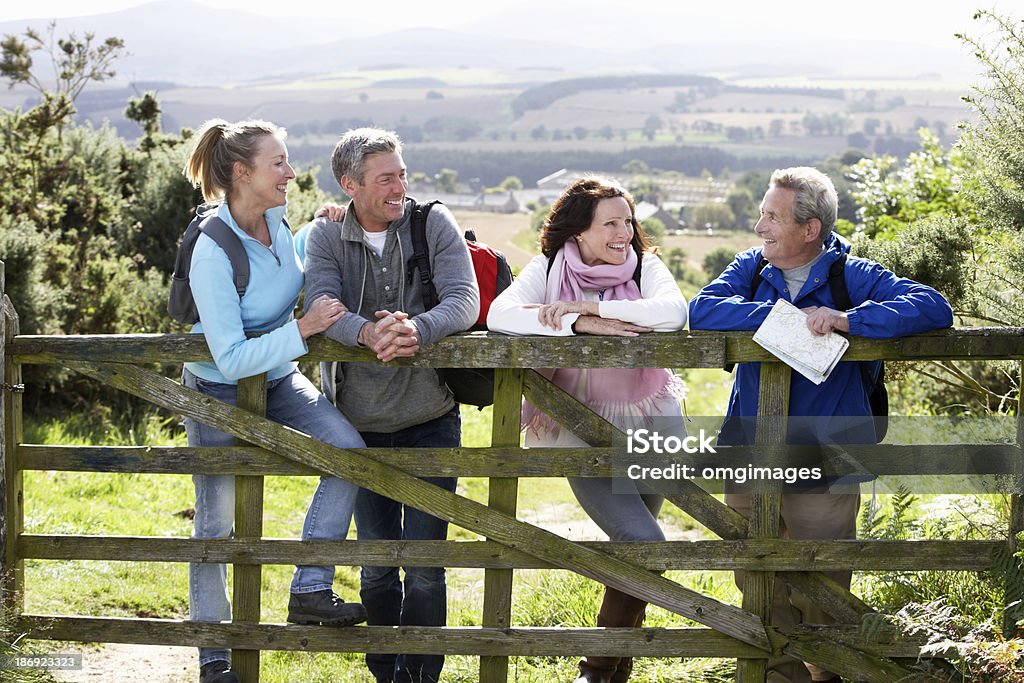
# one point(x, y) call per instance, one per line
point(625, 668)
point(617, 609)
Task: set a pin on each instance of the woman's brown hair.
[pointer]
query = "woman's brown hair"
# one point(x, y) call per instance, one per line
point(573, 212)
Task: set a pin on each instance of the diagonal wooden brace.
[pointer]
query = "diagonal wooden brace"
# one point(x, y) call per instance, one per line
point(354, 465)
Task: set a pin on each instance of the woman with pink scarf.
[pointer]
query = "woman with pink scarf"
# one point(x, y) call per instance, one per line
point(587, 282)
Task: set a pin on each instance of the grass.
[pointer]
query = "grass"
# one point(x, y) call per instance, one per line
point(152, 505)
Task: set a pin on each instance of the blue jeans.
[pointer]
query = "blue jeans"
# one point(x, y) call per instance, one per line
point(292, 401)
point(424, 601)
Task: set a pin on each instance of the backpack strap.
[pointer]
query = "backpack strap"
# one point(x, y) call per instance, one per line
point(421, 253)
point(872, 372)
point(756, 281)
point(837, 285)
point(226, 239)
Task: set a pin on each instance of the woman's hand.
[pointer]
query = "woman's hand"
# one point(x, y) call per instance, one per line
point(550, 315)
point(590, 324)
point(333, 212)
point(324, 312)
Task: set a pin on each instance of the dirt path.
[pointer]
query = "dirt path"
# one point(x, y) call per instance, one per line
point(117, 663)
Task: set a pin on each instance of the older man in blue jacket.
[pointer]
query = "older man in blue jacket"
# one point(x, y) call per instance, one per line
point(798, 213)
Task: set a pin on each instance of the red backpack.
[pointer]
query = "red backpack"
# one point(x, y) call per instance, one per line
point(493, 273)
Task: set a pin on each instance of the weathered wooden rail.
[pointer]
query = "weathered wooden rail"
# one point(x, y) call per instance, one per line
point(510, 544)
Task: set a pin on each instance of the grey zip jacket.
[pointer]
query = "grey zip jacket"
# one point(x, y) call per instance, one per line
point(377, 397)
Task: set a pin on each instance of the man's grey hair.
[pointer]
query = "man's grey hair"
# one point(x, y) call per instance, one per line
point(815, 196)
point(349, 157)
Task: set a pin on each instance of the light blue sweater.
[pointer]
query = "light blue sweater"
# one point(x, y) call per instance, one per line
point(275, 280)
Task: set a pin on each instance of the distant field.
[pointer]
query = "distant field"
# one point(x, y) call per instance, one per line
point(325, 105)
point(497, 230)
point(697, 245)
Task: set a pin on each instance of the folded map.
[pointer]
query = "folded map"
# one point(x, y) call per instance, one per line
point(785, 335)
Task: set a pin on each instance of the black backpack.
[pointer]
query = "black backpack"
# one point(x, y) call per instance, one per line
point(872, 372)
point(471, 386)
point(180, 304)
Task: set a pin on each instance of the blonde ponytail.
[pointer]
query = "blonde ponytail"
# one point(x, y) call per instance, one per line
point(219, 144)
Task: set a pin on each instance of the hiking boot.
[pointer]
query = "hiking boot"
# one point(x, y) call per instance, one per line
point(324, 607)
point(217, 671)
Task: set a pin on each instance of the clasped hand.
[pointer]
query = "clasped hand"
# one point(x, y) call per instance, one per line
point(393, 335)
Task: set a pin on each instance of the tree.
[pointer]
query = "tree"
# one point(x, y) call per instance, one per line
point(76, 61)
point(655, 230)
point(647, 190)
point(858, 140)
point(889, 196)
point(676, 262)
point(145, 111)
point(636, 167)
point(716, 260)
point(742, 205)
point(511, 183)
point(713, 215)
point(997, 138)
point(652, 125)
point(445, 181)
point(31, 139)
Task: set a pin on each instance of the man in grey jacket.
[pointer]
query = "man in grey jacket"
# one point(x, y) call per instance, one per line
point(365, 262)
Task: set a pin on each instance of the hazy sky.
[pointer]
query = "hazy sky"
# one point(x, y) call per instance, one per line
point(919, 21)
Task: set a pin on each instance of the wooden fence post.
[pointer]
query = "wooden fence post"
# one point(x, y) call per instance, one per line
point(12, 568)
point(502, 496)
point(248, 578)
point(1013, 596)
point(759, 587)
point(4, 406)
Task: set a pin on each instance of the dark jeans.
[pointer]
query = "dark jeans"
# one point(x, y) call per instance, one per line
point(424, 599)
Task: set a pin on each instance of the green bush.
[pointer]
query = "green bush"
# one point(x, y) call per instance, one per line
point(716, 260)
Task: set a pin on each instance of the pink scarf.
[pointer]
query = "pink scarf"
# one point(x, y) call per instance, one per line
point(611, 393)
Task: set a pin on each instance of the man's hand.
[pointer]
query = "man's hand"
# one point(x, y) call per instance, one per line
point(324, 312)
point(333, 212)
point(393, 335)
point(591, 324)
point(822, 320)
point(550, 315)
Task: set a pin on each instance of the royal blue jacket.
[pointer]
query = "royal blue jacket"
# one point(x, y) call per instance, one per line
point(885, 306)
